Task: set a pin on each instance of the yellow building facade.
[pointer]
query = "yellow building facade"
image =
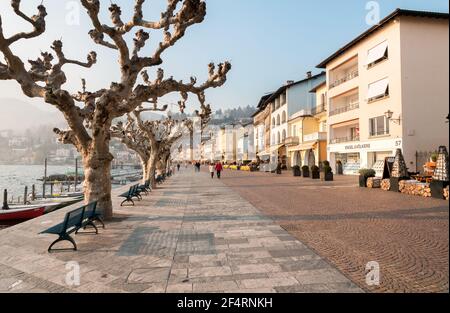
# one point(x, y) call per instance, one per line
point(307, 141)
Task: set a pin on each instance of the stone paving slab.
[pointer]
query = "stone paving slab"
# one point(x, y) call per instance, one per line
point(192, 234)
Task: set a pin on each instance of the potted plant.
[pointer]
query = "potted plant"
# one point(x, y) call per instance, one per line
point(315, 172)
point(305, 171)
point(364, 174)
point(296, 171)
point(327, 173)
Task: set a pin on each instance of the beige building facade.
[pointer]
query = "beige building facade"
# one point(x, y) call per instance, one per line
point(388, 89)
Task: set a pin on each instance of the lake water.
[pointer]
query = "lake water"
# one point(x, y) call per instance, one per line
point(16, 177)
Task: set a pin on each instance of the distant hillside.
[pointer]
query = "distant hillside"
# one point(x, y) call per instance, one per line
point(18, 115)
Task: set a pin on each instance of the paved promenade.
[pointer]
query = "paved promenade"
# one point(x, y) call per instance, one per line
point(349, 226)
point(191, 235)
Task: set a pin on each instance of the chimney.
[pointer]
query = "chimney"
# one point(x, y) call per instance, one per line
point(289, 82)
point(309, 74)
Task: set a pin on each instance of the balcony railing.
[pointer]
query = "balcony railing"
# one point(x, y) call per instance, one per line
point(292, 141)
point(315, 136)
point(347, 77)
point(348, 107)
point(344, 139)
point(319, 109)
point(379, 133)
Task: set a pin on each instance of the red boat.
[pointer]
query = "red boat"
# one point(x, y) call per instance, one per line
point(21, 213)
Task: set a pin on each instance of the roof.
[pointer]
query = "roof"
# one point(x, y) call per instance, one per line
point(383, 22)
point(318, 86)
point(262, 104)
point(285, 87)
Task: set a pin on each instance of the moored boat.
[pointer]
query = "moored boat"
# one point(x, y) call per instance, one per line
point(53, 204)
point(21, 212)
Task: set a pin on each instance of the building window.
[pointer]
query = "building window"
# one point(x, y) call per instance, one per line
point(379, 126)
point(273, 122)
point(294, 130)
point(283, 98)
point(273, 139)
point(277, 103)
point(378, 90)
point(278, 120)
point(284, 134)
point(278, 138)
point(284, 118)
point(377, 54)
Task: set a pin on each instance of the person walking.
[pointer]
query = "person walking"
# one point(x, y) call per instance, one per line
point(219, 169)
point(211, 170)
point(178, 166)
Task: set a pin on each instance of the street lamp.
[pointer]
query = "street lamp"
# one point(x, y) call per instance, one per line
point(389, 115)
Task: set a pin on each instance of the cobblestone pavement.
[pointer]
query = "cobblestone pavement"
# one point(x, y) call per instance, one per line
point(349, 226)
point(190, 235)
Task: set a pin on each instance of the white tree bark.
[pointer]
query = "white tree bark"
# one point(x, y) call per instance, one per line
point(89, 125)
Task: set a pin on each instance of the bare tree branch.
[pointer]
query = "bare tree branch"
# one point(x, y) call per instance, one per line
point(37, 21)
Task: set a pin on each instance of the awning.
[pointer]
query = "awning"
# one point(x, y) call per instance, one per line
point(277, 147)
point(377, 53)
point(304, 146)
point(378, 89)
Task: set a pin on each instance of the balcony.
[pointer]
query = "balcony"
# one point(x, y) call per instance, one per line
point(292, 141)
point(319, 109)
point(346, 108)
point(315, 137)
point(345, 78)
point(344, 139)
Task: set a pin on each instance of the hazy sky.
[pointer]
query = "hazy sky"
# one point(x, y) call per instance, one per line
point(267, 41)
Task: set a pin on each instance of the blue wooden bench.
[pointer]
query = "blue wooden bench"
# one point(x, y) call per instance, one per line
point(133, 192)
point(73, 222)
point(146, 187)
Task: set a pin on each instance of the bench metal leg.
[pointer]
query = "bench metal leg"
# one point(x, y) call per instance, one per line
point(127, 200)
point(99, 219)
point(90, 223)
point(63, 238)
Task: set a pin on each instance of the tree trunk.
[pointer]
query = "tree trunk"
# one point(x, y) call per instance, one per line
point(145, 167)
point(191, 147)
point(97, 183)
point(151, 166)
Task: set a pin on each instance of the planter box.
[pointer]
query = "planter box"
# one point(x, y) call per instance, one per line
point(363, 181)
point(329, 177)
point(437, 188)
point(296, 172)
point(315, 175)
point(305, 173)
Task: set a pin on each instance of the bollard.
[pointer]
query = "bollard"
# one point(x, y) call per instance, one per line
point(43, 190)
point(33, 192)
point(5, 200)
point(51, 190)
point(25, 195)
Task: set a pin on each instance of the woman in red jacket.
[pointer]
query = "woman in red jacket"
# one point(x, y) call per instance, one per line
point(219, 169)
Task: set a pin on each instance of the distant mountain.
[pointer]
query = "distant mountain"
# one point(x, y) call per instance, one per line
point(19, 115)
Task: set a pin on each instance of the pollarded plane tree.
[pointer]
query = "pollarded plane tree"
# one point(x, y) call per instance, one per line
point(161, 136)
point(134, 138)
point(89, 115)
point(205, 117)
